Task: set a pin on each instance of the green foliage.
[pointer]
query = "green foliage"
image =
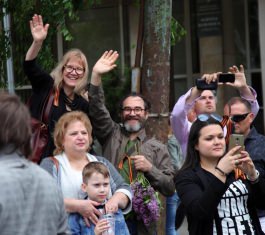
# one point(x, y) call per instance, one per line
point(56, 13)
point(4, 55)
point(115, 88)
point(177, 31)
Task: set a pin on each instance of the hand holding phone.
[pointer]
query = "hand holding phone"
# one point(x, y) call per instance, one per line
point(236, 140)
point(203, 85)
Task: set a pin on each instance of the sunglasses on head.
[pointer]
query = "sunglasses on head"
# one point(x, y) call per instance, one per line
point(205, 117)
point(239, 117)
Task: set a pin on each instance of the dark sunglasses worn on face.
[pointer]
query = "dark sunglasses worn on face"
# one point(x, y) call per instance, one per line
point(239, 117)
point(205, 117)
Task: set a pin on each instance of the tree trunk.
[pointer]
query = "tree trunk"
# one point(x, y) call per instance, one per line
point(156, 64)
point(156, 72)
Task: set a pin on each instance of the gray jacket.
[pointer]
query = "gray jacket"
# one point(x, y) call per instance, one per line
point(30, 201)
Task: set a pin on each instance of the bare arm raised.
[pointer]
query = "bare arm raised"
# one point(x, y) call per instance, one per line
point(39, 33)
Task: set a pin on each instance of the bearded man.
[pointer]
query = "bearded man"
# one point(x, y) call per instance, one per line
point(128, 148)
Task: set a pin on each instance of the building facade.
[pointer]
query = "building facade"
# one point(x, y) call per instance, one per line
point(219, 34)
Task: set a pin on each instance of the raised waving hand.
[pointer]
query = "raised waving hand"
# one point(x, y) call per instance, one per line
point(39, 33)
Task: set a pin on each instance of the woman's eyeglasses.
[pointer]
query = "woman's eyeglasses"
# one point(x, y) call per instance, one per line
point(205, 117)
point(239, 117)
point(70, 69)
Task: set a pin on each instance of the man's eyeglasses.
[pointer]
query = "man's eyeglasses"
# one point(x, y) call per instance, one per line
point(136, 110)
point(78, 70)
point(239, 117)
point(205, 117)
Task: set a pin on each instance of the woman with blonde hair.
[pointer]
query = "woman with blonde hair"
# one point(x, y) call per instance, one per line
point(67, 82)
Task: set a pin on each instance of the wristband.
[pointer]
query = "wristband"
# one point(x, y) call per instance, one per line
point(221, 171)
point(255, 180)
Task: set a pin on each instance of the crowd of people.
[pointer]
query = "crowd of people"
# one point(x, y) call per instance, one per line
point(219, 189)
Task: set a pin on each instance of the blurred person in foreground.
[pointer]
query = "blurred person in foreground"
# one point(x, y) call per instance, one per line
point(30, 201)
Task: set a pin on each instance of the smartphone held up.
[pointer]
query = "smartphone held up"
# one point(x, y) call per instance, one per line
point(221, 78)
point(203, 85)
point(226, 77)
point(236, 140)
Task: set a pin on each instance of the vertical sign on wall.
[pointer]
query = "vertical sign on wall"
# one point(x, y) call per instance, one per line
point(208, 18)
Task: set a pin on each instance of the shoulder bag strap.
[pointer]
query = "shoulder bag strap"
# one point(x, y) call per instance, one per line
point(47, 107)
point(55, 162)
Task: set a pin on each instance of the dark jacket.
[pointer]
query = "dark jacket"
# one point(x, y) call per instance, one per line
point(201, 192)
point(255, 146)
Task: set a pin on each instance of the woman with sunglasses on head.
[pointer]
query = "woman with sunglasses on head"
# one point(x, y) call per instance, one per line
point(67, 81)
point(215, 199)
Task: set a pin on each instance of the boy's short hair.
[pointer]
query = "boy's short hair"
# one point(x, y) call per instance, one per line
point(94, 167)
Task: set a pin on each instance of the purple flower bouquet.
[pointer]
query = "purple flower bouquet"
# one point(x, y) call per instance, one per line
point(146, 203)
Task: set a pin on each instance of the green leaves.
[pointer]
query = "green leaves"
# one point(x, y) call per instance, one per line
point(177, 31)
point(56, 13)
point(116, 87)
point(142, 179)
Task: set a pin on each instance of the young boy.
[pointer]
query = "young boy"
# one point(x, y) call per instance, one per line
point(96, 183)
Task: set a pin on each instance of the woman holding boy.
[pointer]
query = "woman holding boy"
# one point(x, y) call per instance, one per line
point(72, 137)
